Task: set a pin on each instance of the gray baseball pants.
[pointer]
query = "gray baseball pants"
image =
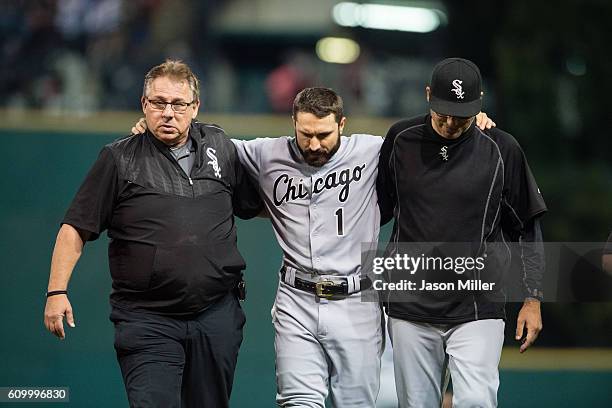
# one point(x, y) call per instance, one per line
point(326, 346)
point(423, 352)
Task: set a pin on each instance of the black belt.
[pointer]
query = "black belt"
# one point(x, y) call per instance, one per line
point(325, 288)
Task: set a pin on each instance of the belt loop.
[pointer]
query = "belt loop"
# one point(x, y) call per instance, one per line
point(350, 284)
point(289, 276)
point(357, 282)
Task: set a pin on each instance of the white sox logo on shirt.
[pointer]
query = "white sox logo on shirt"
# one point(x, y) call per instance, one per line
point(444, 153)
point(458, 90)
point(285, 189)
point(211, 153)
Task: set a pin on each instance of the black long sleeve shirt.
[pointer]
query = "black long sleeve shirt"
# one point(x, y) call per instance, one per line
point(477, 188)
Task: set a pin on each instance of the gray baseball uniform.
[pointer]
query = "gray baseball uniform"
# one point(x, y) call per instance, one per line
point(320, 216)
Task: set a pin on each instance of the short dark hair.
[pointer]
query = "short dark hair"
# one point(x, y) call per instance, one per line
point(319, 101)
point(175, 69)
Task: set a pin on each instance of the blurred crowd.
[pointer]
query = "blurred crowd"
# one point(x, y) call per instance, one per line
point(87, 55)
point(81, 56)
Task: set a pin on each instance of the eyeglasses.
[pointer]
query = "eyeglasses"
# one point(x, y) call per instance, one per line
point(178, 107)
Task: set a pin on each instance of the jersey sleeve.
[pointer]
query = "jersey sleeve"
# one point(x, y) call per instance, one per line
point(249, 153)
point(522, 198)
point(92, 207)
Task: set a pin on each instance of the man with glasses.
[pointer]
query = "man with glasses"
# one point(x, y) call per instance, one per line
point(167, 200)
point(444, 180)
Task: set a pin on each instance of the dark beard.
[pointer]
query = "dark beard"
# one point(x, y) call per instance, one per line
point(319, 158)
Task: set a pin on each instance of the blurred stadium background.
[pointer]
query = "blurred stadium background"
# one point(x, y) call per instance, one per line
point(71, 78)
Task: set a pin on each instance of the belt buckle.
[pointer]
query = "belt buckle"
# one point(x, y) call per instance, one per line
point(320, 287)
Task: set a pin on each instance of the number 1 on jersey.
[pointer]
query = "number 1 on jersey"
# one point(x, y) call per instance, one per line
point(340, 221)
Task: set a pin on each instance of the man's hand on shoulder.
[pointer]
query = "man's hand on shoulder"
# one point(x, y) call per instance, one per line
point(141, 126)
point(484, 122)
point(56, 308)
point(530, 319)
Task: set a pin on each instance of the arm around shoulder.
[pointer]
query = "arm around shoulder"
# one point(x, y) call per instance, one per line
point(246, 200)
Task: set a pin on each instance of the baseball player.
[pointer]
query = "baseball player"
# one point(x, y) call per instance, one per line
point(319, 189)
point(445, 180)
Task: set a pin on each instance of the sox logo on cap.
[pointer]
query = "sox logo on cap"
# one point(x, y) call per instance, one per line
point(458, 90)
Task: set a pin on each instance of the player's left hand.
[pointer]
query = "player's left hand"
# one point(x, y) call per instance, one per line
point(529, 318)
point(484, 122)
point(141, 127)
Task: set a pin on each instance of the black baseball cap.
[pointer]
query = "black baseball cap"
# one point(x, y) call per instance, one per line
point(456, 87)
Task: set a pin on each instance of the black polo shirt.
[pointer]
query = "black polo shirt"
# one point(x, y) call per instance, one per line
point(173, 238)
point(471, 189)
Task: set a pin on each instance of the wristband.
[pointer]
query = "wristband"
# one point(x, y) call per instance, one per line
point(57, 292)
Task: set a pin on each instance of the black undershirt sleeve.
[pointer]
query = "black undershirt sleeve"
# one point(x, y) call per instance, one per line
point(92, 207)
point(246, 200)
point(532, 254)
point(384, 181)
